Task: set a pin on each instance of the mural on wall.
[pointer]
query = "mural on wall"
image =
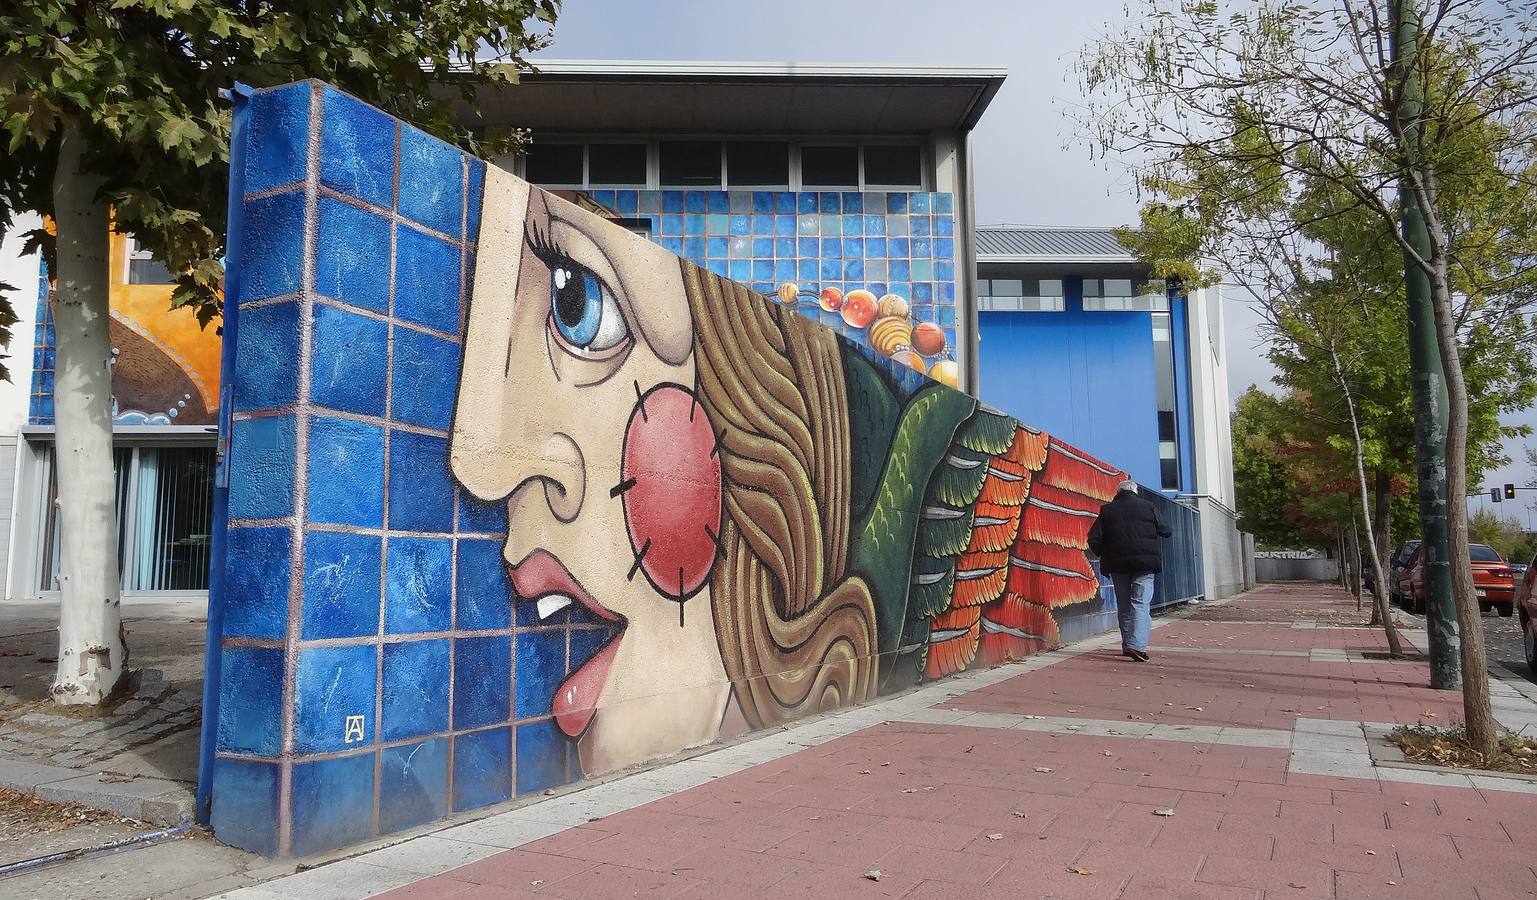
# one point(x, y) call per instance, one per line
point(775, 522)
point(165, 364)
point(517, 496)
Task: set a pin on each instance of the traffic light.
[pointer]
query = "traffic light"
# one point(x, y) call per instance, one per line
point(1510, 492)
point(1494, 494)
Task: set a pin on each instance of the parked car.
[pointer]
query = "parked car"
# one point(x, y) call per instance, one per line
point(1396, 565)
point(1492, 579)
point(1526, 602)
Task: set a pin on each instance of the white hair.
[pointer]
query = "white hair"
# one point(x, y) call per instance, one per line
point(1128, 485)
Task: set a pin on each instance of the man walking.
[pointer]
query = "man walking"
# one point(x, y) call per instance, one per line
point(1125, 537)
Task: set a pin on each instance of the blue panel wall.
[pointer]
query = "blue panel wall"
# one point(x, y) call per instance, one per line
point(346, 605)
point(1087, 377)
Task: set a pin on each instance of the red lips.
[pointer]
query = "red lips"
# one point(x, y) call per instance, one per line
point(575, 701)
point(540, 573)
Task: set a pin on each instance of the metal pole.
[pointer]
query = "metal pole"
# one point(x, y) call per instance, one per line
point(1429, 379)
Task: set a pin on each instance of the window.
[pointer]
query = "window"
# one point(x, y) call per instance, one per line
point(1483, 553)
point(893, 166)
point(689, 163)
point(1168, 419)
point(758, 164)
point(554, 164)
point(1020, 294)
point(830, 167)
point(1116, 295)
point(736, 165)
point(144, 268)
point(164, 517)
point(616, 164)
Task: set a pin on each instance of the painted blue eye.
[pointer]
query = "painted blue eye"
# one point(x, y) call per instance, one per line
point(583, 308)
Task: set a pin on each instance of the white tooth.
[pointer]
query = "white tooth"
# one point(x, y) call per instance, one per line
point(550, 604)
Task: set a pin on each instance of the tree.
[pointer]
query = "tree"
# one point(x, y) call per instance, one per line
point(1232, 114)
point(112, 119)
point(1503, 534)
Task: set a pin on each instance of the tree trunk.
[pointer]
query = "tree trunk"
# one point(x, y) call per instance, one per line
point(1483, 731)
point(1380, 608)
point(1429, 379)
point(1356, 585)
point(92, 653)
point(1382, 500)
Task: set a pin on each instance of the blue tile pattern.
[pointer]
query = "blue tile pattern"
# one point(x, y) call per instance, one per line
point(812, 240)
point(352, 552)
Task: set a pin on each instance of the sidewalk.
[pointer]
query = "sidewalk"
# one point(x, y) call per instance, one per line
point(137, 754)
point(1235, 764)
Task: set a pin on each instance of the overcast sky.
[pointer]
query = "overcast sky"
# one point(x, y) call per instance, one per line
point(1030, 167)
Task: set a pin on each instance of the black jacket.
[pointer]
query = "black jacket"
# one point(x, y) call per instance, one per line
point(1126, 535)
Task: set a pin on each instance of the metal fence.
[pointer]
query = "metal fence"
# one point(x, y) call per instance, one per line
point(1182, 579)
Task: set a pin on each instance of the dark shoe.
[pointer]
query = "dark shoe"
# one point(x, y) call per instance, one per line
point(1138, 655)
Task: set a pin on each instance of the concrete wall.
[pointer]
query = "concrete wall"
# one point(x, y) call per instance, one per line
point(1226, 567)
point(516, 496)
point(1272, 569)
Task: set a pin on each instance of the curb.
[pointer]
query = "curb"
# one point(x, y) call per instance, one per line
point(153, 800)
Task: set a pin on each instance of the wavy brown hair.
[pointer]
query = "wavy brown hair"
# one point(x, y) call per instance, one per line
point(797, 634)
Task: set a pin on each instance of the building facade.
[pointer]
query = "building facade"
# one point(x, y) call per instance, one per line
point(1072, 335)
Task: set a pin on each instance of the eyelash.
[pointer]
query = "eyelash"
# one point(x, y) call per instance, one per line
point(601, 338)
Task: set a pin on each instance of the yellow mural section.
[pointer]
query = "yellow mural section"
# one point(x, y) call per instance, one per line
point(166, 365)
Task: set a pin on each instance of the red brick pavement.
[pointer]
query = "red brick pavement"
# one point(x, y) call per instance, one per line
point(961, 812)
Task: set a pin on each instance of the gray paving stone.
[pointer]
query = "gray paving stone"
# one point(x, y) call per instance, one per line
point(44, 721)
point(148, 799)
point(26, 776)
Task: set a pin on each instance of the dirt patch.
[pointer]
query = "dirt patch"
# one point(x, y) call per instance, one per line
point(1406, 656)
point(24, 815)
point(1448, 748)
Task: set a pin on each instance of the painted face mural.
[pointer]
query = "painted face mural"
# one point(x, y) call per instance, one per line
point(720, 515)
point(762, 520)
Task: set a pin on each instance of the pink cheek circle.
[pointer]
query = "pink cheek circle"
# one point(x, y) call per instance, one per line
point(672, 505)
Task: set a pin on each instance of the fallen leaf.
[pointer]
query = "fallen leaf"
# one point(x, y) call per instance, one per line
point(995, 836)
point(1018, 815)
point(1427, 714)
point(1300, 887)
point(1165, 812)
point(867, 771)
point(873, 874)
point(1074, 727)
point(536, 883)
point(1371, 853)
point(117, 779)
point(1107, 752)
point(1043, 769)
point(909, 790)
point(1080, 870)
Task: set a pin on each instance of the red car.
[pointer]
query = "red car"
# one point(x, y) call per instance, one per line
point(1492, 578)
point(1526, 601)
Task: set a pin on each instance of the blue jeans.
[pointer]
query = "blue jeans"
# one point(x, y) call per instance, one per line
point(1133, 608)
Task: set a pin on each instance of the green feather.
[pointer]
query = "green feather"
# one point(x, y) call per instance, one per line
point(944, 531)
point(931, 596)
point(882, 547)
point(958, 480)
point(988, 432)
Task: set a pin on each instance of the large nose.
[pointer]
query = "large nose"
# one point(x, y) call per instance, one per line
point(508, 436)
